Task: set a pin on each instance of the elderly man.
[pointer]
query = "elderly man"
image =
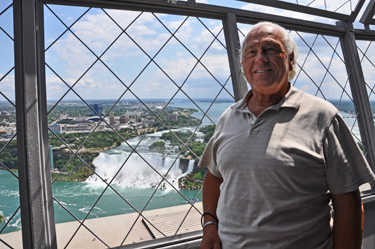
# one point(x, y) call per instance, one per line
point(277, 159)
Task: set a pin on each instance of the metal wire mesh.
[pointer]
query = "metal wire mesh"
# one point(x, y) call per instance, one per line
point(9, 193)
point(365, 51)
point(126, 59)
point(180, 78)
point(344, 6)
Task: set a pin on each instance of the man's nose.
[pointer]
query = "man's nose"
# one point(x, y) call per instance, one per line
point(261, 57)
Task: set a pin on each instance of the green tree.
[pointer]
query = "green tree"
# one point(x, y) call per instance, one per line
point(208, 131)
point(183, 136)
point(157, 147)
point(198, 176)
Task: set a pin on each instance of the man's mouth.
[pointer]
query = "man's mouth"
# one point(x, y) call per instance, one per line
point(263, 70)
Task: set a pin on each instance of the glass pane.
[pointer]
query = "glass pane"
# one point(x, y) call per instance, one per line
point(10, 218)
point(129, 120)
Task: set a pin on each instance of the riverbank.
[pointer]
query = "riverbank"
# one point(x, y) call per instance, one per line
point(113, 229)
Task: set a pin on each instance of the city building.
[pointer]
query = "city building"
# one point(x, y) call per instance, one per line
point(146, 121)
point(98, 108)
point(56, 128)
point(7, 136)
point(93, 119)
point(170, 117)
point(76, 127)
point(133, 114)
point(124, 119)
point(5, 117)
point(79, 120)
point(111, 119)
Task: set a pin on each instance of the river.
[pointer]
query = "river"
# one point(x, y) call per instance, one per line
point(136, 181)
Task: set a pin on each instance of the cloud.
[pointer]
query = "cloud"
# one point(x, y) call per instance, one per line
point(7, 87)
point(71, 59)
point(315, 72)
point(281, 12)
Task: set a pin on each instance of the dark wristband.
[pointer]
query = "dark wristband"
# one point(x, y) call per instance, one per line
point(217, 221)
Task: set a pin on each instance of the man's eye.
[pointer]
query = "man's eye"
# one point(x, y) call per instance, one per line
point(272, 50)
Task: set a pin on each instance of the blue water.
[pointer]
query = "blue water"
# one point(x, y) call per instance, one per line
point(9, 201)
point(212, 110)
point(79, 197)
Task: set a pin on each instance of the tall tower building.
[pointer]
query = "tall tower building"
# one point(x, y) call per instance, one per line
point(111, 119)
point(98, 108)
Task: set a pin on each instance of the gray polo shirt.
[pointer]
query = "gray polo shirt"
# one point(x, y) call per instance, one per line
point(278, 170)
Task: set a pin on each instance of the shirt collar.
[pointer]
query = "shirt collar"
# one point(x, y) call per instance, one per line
point(291, 99)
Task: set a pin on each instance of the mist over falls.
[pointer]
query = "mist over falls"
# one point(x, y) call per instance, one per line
point(136, 172)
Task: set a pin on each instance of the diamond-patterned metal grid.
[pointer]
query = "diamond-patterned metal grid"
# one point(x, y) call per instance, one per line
point(312, 55)
point(312, 10)
point(198, 62)
point(344, 6)
point(9, 204)
point(322, 72)
point(365, 51)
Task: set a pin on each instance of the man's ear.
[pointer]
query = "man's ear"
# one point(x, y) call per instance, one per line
point(291, 60)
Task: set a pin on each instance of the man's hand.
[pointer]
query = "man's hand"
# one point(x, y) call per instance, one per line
point(210, 238)
point(211, 193)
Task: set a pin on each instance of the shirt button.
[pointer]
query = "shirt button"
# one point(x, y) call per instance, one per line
point(252, 122)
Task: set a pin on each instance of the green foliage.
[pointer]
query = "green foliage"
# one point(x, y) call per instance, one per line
point(60, 158)
point(199, 185)
point(208, 130)
point(198, 176)
point(184, 136)
point(9, 155)
point(183, 120)
point(158, 147)
point(360, 145)
point(68, 110)
point(98, 140)
point(64, 122)
point(202, 171)
point(81, 175)
point(197, 147)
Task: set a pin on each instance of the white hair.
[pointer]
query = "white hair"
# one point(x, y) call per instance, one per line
point(290, 45)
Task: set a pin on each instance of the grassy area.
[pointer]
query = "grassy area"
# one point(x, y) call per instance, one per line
point(72, 176)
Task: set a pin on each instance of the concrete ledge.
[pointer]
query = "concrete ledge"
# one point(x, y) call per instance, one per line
point(113, 229)
point(190, 240)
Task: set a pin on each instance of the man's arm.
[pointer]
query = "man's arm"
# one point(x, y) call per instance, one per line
point(211, 193)
point(347, 220)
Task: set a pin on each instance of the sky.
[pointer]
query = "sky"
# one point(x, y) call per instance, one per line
point(100, 61)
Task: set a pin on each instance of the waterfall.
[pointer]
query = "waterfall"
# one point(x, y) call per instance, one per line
point(191, 166)
point(136, 172)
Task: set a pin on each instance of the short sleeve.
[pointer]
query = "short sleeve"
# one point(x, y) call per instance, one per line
point(208, 158)
point(346, 166)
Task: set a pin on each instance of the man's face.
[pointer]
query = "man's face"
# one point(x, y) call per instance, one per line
point(265, 61)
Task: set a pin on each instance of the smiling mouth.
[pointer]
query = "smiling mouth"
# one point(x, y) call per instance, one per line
point(263, 71)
